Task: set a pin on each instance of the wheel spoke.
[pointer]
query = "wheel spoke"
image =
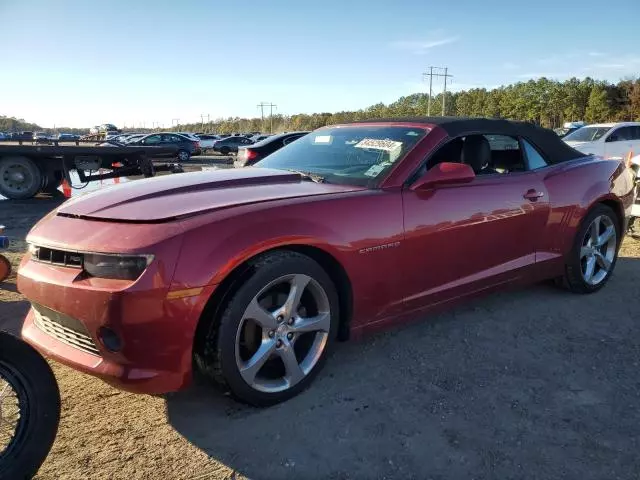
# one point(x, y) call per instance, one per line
point(321, 322)
point(585, 251)
point(293, 370)
point(589, 268)
point(257, 361)
point(594, 231)
point(264, 318)
point(298, 284)
point(606, 236)
point(603, 262)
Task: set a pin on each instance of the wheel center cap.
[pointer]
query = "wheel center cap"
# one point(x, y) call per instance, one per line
point(17, 177)
point(282, 330)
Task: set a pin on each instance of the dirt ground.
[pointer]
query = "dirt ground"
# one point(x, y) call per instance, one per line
point(536, 383)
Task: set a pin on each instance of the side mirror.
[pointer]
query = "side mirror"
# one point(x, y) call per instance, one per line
point(445, 173)
point(612, 138)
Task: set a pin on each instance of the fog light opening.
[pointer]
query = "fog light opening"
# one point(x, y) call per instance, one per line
point(110, 339)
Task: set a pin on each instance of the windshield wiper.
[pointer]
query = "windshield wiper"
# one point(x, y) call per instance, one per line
point(308, 176)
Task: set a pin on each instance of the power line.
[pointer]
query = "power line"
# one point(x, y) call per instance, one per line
point(445, 75)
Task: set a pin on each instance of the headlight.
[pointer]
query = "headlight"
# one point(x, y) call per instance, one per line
point(121, 267)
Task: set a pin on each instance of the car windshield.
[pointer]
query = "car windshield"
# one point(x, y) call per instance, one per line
point(587, 134)
point(356, 155)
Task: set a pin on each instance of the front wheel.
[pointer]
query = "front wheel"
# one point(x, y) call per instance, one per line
point(595, 251)
point(29, 408)
point(274, 333)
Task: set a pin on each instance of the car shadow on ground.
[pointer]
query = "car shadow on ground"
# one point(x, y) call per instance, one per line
point(528, 382)
point(12, 315)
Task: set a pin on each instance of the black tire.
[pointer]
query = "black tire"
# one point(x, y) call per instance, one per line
point(31, 184)
point(35, 385)
point(573, 279)
point(220, 342)
point(5, 268)
point(225, 150)
point(183, 155)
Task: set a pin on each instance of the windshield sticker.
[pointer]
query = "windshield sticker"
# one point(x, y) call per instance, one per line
point(377, 144)
point(322, 139)
point(412, 134)
point(376, 169)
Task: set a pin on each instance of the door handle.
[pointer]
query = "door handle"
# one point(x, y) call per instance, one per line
point(533, 195)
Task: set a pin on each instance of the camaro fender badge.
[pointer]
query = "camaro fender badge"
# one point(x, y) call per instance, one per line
point(379, 247)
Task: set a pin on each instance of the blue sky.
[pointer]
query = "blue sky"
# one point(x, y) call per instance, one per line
point(80, 63)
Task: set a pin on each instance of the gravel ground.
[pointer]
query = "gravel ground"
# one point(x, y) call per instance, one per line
point(534, 383)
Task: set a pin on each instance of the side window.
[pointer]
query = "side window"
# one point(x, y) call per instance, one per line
point(505, 154)
point(152, 140)
point(534, 159)
point(621, 134)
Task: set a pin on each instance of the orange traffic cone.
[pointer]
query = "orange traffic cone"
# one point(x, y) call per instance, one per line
point(66, 188)
point(629, 157)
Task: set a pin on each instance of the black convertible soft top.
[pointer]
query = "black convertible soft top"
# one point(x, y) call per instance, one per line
point(548, 142)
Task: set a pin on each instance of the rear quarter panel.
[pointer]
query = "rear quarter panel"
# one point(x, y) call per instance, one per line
point(342, 225)
point(574, 188)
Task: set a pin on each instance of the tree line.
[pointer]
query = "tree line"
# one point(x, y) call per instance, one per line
point(546, 102)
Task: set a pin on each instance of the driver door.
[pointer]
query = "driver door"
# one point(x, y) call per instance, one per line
point(465, 238)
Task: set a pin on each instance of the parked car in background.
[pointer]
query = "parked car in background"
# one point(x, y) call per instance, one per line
point(250, 154)
point(568, 127)
point(107, 127)
point(68, 137)
point(230, 144)
point(609, 140)
point(208, 140)
point(25, 136)
point(259, 137)
point(4, 136)
point(42, 137)
point(186, 147)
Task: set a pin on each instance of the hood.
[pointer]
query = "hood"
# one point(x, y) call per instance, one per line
point(169, 197)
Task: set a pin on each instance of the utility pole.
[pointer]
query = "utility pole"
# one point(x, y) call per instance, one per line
point(444, 93)
point(271, 106)
point(202, 115)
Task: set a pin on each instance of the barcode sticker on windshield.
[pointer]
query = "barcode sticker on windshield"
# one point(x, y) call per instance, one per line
point(322, 139)
point(375, 170)
point(377, 144)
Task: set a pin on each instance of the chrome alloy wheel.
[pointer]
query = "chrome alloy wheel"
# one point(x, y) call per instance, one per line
point(598, 250)
point(283, 332)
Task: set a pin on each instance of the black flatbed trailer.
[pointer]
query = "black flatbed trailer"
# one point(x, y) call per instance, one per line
point(26, 170)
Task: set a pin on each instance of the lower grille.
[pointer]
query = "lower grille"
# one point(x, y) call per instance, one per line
point(65, 329)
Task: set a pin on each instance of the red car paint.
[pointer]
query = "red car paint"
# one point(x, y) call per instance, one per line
point(404, 251)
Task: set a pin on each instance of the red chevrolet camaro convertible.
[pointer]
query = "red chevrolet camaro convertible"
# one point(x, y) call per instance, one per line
point(250, 275)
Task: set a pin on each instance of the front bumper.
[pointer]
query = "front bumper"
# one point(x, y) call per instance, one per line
point(156, 329)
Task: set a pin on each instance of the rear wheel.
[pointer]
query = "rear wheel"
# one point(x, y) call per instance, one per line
point(274, 333)
point(594, 253)
point(225, 150)
point(183, 155)
point(20, 177)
